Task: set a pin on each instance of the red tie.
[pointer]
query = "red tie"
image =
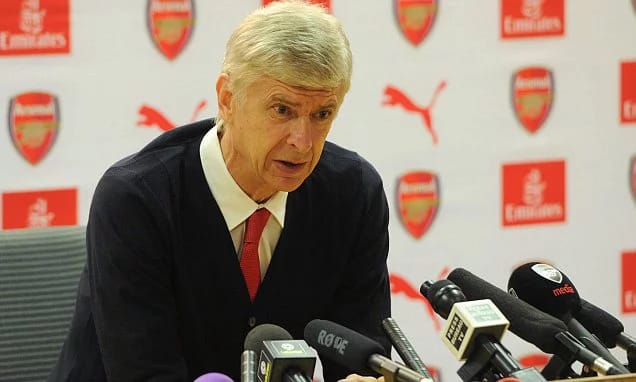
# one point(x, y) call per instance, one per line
point(250, 265)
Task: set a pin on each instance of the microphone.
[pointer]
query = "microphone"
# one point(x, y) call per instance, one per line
point(356, 352)
point(280, 358)
point(472, 331)
point(551, 291)
point(213, 377)
point(606, 327)
point(530, 324)
point(404, 347)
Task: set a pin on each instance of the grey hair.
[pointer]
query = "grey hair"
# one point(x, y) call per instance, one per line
point(294, 42)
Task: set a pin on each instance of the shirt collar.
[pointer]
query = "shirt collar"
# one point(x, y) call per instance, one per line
point(235, 205)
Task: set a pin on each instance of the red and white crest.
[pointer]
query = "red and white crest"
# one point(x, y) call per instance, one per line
point(34, 122)
point(415, 18)
point(532, 94)
point(170, 23)
point(418, 201)
point(632, 176)
point(324, 3)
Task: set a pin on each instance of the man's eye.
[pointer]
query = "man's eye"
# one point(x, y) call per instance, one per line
point(324, 114)
point(281, 109)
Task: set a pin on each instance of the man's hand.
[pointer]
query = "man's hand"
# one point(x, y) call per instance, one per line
point(359, 378)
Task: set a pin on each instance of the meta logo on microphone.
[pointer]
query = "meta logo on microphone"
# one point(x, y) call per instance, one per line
point(415, 18)
point(628, 92)
point(548, 272)
point(532, 95)
point(34, 27)
point(170, 23)
point(533, 193)
point(324, 3)
point(532, 18)
point(628, 280)
point(330, 340)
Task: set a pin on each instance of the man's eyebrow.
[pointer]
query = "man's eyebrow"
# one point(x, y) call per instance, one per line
point(282, 99)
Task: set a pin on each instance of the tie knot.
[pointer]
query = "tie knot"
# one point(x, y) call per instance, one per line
point(255, 224)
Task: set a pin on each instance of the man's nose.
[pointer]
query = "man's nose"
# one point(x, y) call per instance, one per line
point(300, 135)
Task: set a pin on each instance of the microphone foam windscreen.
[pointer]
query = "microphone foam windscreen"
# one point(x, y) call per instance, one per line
point(527, 322)
point(342, 345)
point(546, 288)
point(264, 332)
point(599, 322)
point(213, 377)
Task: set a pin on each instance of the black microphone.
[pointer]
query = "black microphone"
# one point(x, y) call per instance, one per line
point(530, 324)
point(404, 347)
point(356, 352)
point(608, 329)
point(551, 291)
point(605, 326)
point(280, 358)
point(472, 331)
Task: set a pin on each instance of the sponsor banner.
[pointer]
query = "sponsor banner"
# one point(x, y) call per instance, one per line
point(393, 96)
point(324, 3)
point(533, 193)
point(418, 201)
point(532, 18)
point(415, 18)
point(43, 208)
point(170, 23)
point(628, 270)
point(401, 286)
point(34, 123)
point(30, 27)
point(532, 95)
point(628, 92)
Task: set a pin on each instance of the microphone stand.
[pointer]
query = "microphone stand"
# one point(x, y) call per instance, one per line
point(631, 358)
point(490, 361)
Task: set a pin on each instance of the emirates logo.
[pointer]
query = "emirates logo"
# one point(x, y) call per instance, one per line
point(34, 27)
point(532, 18)
point(533, 193)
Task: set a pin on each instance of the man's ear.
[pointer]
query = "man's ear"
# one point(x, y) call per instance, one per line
point(224, 96)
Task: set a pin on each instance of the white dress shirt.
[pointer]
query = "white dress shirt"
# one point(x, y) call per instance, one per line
point(236, 206)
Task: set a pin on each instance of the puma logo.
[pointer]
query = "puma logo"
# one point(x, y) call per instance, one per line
point(396, 97)
point(151, 117)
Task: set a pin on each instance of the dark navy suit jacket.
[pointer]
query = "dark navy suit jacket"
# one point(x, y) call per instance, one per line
point(163, 297)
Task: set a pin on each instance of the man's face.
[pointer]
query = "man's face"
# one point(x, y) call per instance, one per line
point(274, 134)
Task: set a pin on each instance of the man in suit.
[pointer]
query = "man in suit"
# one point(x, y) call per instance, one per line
point(224, 224)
